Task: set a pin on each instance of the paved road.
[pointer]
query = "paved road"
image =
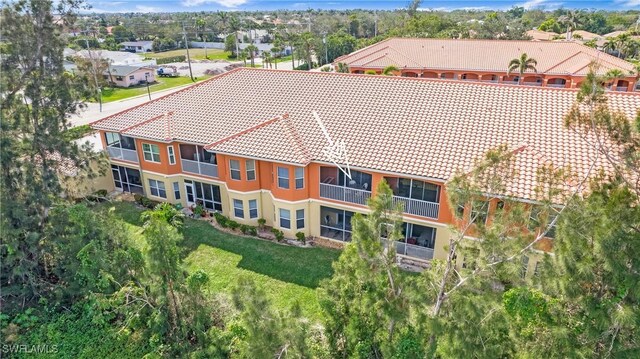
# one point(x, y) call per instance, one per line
point(93, 113)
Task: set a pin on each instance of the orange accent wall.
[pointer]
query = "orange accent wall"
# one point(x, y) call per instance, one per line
point(243, 184)
point(291, 194)
point(163, 167)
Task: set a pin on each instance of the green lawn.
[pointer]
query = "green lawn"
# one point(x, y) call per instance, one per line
point(195, 54)
point(286, 273)
point(115, 94)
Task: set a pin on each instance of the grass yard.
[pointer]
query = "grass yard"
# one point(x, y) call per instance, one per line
point(115, 94)
point(286, 273)
point(195, 54)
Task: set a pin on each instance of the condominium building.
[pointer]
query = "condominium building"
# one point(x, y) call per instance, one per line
point(559, 63)
point(247, 143)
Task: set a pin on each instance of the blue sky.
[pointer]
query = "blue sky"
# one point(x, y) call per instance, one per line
point(212, 5)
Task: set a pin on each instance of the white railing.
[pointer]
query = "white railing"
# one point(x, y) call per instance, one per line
point(418, 207)
point(621, 88)
point(494, 81)
point(556, 85)
point(201, 168)
point(414, 251)
point(344, 194)
point(120, 153)
point(528, 83)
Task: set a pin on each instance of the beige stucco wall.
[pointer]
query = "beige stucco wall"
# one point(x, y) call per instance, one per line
point(78, 187)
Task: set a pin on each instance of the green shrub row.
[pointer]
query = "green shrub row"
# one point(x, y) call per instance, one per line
point(145, 202)
point(168, 60)
point(225, 222)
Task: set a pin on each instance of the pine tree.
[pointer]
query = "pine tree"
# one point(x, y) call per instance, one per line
point(37, 99)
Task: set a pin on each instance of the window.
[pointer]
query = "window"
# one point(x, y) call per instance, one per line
point(300, 218)
point(460, 211)
point(238, 209)
point(479, 211)
point(151, 152)
point(299, 177)
point(157, 188)
point(283, 177)
point(172, 155)
point(525, 265)
point(253, 208)
point(208, 195)
point(285, 218)
point(536, 270)
point(251, 169)
point(176, 190)
point(131, 77)
point(234, 167)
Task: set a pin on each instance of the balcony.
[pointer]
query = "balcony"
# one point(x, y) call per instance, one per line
point(344, 194)
point(418, 207)
point(621, 88)
point(119, 153)
point(556, 85)
point(200, 168)
point(414, 251)
point(532, 83)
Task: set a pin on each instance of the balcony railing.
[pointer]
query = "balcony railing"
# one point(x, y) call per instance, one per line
point(120, 153)
point(418, 207)
point(414, 251)
point(556, 85)
point(201, 168)
point(344, 194)
point(621, 88)
point(528, 83)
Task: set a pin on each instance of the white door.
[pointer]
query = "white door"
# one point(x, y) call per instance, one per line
point(191, 200)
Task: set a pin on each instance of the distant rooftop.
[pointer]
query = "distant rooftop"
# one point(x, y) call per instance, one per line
point(553, 57)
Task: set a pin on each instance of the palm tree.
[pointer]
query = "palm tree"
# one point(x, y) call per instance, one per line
point(572, 19)
point(234, 26)
point(342, 68)
point(390, 70)
point(276, 50)
point(266, 59)
point(251, 50)
point(307, 41)
point(610, 46)
point(223, 18)
point(243, 56)
point(522, 64)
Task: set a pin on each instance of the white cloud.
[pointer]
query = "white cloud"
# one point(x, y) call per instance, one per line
point(225, 3)
point(532, 4)
point(144, 8)
point(628, 3)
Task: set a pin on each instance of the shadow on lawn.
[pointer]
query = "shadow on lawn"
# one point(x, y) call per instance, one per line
point(302, 266)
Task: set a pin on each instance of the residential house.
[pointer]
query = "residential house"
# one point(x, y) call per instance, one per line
point(560, 63)
point(538, 35)
point(263, 155)
point(116, 58)
point(127, 76)
point(137, 46)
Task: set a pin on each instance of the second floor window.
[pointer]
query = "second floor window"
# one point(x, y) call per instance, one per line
point(172, 155)
point(234, 168)
point(251, 170)
point(299, 173)
point(151, 152)
point(283, 177)
point(479, 212)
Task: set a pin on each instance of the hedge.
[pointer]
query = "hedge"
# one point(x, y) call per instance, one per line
point(168, 60)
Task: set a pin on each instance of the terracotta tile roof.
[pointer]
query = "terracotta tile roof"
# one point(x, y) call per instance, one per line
point(420, 127)
point(481, 55)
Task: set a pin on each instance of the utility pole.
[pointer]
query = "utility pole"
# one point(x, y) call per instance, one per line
point(326, 48)
point(93, 65)
point(375, 23)
point(146, 79)
point(186, 45)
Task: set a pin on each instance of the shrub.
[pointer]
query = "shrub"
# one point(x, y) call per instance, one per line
point(138, 198)
point(168, 60)
point(301, 237)
point(101, 193)
point(221, 219)
point(261, 222)
point(198, 210)
point(249, 230)
point(278, 233)
point(233, 224)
